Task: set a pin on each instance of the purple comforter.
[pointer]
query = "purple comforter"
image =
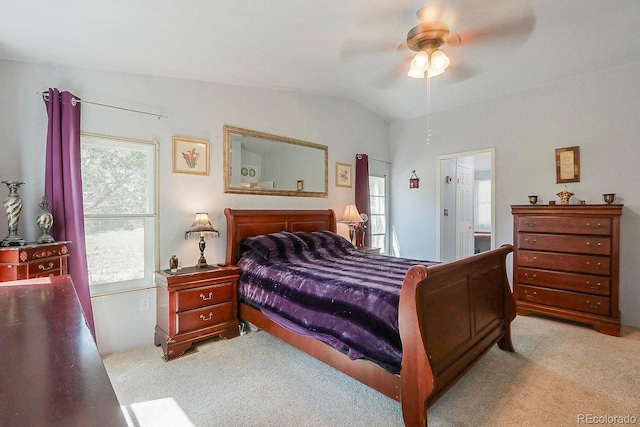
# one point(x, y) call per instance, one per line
point(319, 285)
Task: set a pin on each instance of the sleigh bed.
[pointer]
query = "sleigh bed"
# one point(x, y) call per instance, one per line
point(448, 315)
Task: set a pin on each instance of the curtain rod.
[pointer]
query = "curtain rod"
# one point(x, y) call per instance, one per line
point(381, 161)
point(75, 100)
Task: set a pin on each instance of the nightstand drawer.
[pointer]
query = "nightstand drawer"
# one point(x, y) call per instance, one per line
point(207, 295)
point(556, 298)
point(205, 317)
point(45, 268)
point(598, 285)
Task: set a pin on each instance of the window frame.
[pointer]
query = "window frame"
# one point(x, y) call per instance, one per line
point(151, 218)
point(385, 248)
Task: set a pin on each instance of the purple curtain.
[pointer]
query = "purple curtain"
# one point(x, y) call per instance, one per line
point(63, 188)
point(362, 190)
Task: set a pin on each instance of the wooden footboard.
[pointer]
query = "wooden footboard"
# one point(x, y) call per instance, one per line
point(450, 315)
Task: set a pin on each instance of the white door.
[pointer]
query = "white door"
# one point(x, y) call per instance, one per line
point(464, 210)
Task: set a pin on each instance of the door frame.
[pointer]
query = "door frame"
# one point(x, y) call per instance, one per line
point(440, 193)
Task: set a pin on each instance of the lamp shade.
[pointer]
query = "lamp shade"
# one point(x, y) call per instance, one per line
point(201, 227)
point(351, 214)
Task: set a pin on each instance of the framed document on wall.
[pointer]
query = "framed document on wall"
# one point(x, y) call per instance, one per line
point(567, 165)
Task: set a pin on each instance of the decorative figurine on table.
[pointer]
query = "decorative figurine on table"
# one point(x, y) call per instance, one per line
point(12, 208)
point(45, 222)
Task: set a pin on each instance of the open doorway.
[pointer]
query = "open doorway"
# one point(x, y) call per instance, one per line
point(465, 203)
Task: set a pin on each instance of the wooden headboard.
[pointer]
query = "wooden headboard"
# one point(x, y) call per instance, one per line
point(253, 222)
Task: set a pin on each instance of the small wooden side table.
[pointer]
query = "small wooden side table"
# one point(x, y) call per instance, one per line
point(195, 304)
point(33, 260)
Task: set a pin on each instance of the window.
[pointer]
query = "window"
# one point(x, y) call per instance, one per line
point(483, 205)
point(378, 217)
point(120, 210)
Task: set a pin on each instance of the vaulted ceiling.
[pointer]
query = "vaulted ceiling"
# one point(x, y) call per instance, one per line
point(347, 48)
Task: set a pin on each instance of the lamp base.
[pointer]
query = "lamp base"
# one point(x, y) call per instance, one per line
point(202, 263)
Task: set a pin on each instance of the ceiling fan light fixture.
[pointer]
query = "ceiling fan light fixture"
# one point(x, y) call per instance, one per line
point(438, 60)
point(419, 65)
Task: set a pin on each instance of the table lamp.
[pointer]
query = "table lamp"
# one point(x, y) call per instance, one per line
point(201, 229)
point(352, 217)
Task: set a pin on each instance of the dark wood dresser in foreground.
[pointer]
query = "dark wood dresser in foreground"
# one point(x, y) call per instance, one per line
point(195, 304)
point(33, 260)
point(50, 371)
point(566, 263)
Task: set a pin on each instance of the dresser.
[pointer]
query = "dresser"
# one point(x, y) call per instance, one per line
point(195, 304)
point(566, 263)
point(51, 372)
point(33, 260)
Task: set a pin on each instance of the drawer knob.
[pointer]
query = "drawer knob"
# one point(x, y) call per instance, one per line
point(595, 305)
point(206, 298)
point(531, 224)
point(594, 227)
point(530, 294)
point(533, 276)
point(593, 285)
point(44, 267)
point(533, 242)
point(207, 318)
point(597, 244)
point(530, 260)
point(593, 267)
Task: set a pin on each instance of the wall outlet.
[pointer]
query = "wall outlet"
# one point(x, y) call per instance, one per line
point(144, 304)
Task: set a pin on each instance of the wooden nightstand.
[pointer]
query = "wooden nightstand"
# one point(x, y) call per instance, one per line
point(33, 260)
point(195, 304)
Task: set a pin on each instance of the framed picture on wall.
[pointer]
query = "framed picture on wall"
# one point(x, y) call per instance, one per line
point(567, 165)
point(343, 175)
point(190, 156)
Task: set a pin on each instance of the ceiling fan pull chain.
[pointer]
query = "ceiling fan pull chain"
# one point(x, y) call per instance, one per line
point(429, 132)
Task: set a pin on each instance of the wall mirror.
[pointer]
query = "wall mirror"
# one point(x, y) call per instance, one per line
point(261, 163)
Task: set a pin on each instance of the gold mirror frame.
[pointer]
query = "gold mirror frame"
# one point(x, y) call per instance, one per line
point(299, 190)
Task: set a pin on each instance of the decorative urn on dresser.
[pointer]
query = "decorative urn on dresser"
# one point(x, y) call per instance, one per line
point(566, 263)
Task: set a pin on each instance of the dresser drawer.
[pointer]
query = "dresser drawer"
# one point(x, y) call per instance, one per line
point(204, 296)
point(565, 299)
point(567, 225)
point(597, 285)
point(592, 245)
point(204, 317)
point(565, 262)
point(45, 268)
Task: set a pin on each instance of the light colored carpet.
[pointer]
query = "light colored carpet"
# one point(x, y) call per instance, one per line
point(562, 374)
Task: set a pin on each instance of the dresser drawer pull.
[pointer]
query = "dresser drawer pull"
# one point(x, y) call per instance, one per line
point(593, 286)
point(206, 298)
point(594, 227)
point(209, 317)
point(530, 295)
point(533, 242)
point(526, 275)
point(593, 267)
point(595, 306)
point(43, 267)
point(597, 244)
point(530, 260)
point(531, 224)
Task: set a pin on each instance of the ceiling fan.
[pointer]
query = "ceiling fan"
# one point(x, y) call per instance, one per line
point(486, 33)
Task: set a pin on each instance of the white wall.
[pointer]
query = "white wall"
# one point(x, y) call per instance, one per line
point(598, 112)
point(194, 109)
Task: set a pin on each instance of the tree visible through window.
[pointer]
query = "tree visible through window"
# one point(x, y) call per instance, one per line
point(119, 198)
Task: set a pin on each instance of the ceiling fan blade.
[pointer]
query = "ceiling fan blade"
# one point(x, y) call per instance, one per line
point(521, 26)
